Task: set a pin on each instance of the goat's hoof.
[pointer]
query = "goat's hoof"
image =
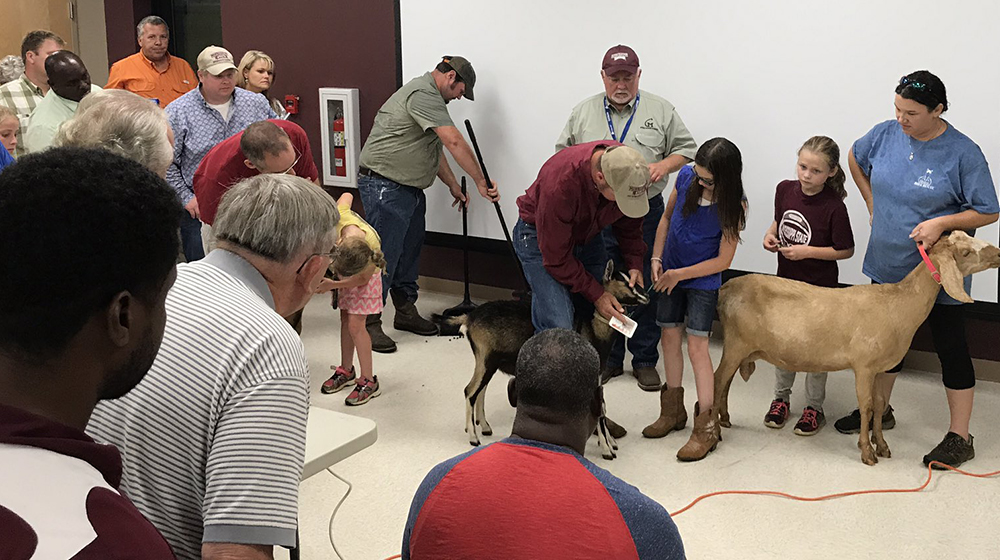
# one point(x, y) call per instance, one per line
point(487, 430)
point(610, 456)
point(868, 457)
point(724, 422)
point(883, 451)
point(474, 442)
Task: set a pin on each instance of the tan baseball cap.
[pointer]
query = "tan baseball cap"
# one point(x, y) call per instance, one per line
point(627, 173)
point(215, 60)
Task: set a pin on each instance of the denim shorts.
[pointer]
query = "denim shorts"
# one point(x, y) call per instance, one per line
point(698, 306)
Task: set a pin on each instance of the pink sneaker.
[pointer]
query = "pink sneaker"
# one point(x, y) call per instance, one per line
point(777, 415)
point(364, 391)
point(810, 422)
point(341, 378)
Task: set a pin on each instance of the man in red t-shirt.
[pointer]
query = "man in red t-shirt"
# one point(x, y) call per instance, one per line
point(271, 146)
point(60, 355)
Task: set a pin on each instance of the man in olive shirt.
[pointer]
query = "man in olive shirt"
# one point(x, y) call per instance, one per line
point(651, 125)
point(401, 158)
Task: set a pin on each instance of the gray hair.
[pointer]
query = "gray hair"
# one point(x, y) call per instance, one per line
point(11, 68)
point(558, 370)
point(150, 20)
point(278, 217)
point(123, 123)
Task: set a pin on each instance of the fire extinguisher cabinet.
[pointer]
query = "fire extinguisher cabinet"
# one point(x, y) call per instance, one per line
point(341, 134)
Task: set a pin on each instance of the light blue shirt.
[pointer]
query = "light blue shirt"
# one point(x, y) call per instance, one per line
point(944, 176)
point(198, 128)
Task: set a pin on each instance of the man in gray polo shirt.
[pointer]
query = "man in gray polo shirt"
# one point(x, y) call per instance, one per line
point(401, 158)
point(651, 125)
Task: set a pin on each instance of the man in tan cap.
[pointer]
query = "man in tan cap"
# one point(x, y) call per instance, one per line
point(402, 157)
point(651, 125)
point(580, 191)
point(200, 119)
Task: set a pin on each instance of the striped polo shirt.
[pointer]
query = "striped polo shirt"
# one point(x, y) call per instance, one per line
point(213, 438)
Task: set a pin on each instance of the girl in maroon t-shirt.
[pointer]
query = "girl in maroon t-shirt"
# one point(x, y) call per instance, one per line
point(810, 233)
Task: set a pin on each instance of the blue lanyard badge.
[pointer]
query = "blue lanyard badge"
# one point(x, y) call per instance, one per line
point(611, 125)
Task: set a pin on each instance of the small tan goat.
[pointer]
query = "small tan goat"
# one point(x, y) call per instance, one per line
point(866, 328)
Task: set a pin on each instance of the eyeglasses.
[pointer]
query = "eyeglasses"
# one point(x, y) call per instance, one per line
point(331, 255)
point(706, 182)
point(298, 156)
point(906, 82)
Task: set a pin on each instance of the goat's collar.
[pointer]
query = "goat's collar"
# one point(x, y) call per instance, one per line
point(930, 265)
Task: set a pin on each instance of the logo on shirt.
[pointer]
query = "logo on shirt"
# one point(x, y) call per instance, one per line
point(794, 229)
point(925, 181)
point(650, 123)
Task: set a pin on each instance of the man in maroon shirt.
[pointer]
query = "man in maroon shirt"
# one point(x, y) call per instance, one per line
point(271, 146)
point(81, 319)
point(579, 191)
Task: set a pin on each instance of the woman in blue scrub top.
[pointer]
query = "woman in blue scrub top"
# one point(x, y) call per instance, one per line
point(920, 178)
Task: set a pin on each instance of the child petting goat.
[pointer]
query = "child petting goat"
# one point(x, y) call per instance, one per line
point(497, 329)
point(865, 328)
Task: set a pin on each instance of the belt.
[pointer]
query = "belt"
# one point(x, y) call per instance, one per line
point(369, 173)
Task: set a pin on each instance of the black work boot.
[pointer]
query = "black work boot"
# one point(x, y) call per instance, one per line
point(408, 319)
point(380, 341)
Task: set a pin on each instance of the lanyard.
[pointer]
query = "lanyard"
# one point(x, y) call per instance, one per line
point(611, 125)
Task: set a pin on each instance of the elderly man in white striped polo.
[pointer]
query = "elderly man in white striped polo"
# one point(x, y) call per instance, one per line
point(213, 439)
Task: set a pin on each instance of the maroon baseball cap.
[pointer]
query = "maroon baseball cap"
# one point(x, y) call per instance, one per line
point(620, 58)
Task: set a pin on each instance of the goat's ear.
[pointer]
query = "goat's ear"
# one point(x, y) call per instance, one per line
point(512, 392)
point(609, 270)
point(951, 278)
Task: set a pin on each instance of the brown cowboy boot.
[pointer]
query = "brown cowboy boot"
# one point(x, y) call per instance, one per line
point(380, 341)
point(673, 416)
point(704, 436)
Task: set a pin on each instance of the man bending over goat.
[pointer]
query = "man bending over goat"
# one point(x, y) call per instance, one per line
point(496, 501)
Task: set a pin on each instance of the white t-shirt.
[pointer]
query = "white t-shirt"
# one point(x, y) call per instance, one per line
point(223, 109)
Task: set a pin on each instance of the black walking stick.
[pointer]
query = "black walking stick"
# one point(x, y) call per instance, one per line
point(466, 305)
point(503, 224)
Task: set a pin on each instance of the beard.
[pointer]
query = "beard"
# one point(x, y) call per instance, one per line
point(123, 379)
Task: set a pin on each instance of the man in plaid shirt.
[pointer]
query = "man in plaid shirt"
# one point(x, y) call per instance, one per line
point(24, 93)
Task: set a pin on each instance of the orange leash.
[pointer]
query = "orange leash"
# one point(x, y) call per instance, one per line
point(838, 495)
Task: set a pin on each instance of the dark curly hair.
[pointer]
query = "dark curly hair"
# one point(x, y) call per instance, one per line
point(924, 88)
point(79, 226)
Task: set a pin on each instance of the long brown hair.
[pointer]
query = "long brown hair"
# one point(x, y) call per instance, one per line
point(722, 158)
point(826, 147)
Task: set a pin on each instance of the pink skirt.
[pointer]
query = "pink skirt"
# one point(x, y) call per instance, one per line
point(362, 300)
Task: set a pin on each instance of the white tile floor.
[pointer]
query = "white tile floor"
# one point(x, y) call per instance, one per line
point(420, 418)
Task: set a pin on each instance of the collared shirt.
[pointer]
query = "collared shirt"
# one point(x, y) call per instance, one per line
point(213, 438)
point(529, 497)
point(402, 145)
point(657, 131)
point(198, 128)
point(21, 96)
point(224, 166)
point(567, 209)
point(51, 112)
point(59, 495)
point(139, 75)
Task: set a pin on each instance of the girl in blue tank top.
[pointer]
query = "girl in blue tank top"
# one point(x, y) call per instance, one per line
point(695, 241)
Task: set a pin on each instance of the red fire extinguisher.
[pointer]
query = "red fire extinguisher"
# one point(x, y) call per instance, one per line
point(339, 148)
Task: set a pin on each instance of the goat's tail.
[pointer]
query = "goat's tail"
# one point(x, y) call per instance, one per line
point(450, 326)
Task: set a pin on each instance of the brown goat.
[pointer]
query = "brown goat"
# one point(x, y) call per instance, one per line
point(868, 328)
point(496, 331)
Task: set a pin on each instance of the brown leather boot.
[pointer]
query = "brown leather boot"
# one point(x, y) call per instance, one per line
point(407, 317)
point(380, 341)
point(704, 436)
point(673, 416)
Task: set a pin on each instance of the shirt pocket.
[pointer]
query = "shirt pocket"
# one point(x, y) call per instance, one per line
point(141, 86)
point(650, 142)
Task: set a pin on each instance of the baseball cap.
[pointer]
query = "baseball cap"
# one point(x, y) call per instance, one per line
point(215, 60)
point(627, 173)
point(464, 70)
point(620, 58)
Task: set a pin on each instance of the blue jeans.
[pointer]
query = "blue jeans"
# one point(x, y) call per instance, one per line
point(690, 306)
point(191, 237)
point(552, 305)
point(397, 212)
point(645, 343)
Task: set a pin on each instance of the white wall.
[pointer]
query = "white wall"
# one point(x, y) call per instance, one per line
point(766, 75)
